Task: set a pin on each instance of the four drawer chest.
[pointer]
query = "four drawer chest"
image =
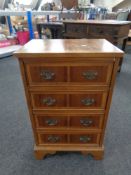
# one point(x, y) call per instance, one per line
point(68, 85)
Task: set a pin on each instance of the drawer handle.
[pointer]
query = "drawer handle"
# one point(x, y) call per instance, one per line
point(85, 139)
point(86, 122)
point(53, 139)
point(51, 122)
point(49, 101)
point(90, 75)
point(88, 101)
point(47, 75)
point(101, 31)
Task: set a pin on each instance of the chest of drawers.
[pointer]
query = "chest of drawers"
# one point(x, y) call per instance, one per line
point(68, 86)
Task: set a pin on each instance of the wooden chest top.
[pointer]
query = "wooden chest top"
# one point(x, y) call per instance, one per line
point(67, 47)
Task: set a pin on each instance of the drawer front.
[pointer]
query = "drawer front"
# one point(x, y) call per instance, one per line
point(49, 100)
point(68, 138)
point(86, 121)
point(43, 74)
point(76, 29)
point(102, 30)
point(52, 138)
point(50, 121)
point(84, 138)
point(91, 74)
point(76, 121)
point(86, 100)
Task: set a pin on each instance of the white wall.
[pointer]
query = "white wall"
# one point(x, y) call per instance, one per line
point(107, 3)
point(2, 3)
point(124, 5)
point(57, 1)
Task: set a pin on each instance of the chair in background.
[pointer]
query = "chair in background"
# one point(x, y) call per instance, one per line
point(122, 15)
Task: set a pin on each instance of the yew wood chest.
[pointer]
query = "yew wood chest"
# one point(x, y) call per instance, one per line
point(68, 85)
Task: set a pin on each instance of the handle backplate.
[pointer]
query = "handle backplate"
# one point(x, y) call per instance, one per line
point(49, 101)
point(47, 75)
point(86, 122)
point(51, 122)
point(88, 101)
point(85, 139)
point(90, 75)
point(53, 139)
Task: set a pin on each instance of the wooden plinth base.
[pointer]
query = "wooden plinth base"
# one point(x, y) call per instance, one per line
point(42, 151)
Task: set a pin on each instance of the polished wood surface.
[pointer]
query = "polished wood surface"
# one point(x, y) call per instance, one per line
point(107, 22)
point(68, 49)
point(68, 86)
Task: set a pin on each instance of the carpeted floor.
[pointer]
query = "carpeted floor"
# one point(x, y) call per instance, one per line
point(16, 140)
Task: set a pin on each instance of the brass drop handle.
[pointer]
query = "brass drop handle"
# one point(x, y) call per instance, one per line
point(90, 75)
point(85, 139)
point(53, 139)
point(49, 101)
point(86, 122)
point(51, 122)
point(88, 101)
point(47, 75)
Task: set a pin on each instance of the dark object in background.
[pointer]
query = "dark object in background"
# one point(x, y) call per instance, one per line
point(129, 16)
point(91, 1)
point(2, 20)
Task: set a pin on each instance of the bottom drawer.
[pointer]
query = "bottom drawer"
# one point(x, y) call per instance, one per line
point(68, 139)
point(52, 138)
point(84, 139)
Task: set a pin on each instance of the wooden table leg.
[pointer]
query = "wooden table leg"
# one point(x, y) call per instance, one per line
point(39, 28)
point(123, 48)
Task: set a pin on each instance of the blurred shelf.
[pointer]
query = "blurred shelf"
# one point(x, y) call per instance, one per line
point(12, 13)
point(34, 13)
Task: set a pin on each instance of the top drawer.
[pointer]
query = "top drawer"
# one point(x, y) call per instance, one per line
point(46, 74)
point(90, 73)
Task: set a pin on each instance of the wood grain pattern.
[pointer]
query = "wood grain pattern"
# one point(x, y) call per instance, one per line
point(78, 99)
point(70, 50)
point(68, 108)
point(63, 121)
point(102, 73)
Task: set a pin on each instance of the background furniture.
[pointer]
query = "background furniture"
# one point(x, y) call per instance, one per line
point(55, 27)
point(122, 15)
point(114, 31)
point(29, 15)
point(69, 85)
